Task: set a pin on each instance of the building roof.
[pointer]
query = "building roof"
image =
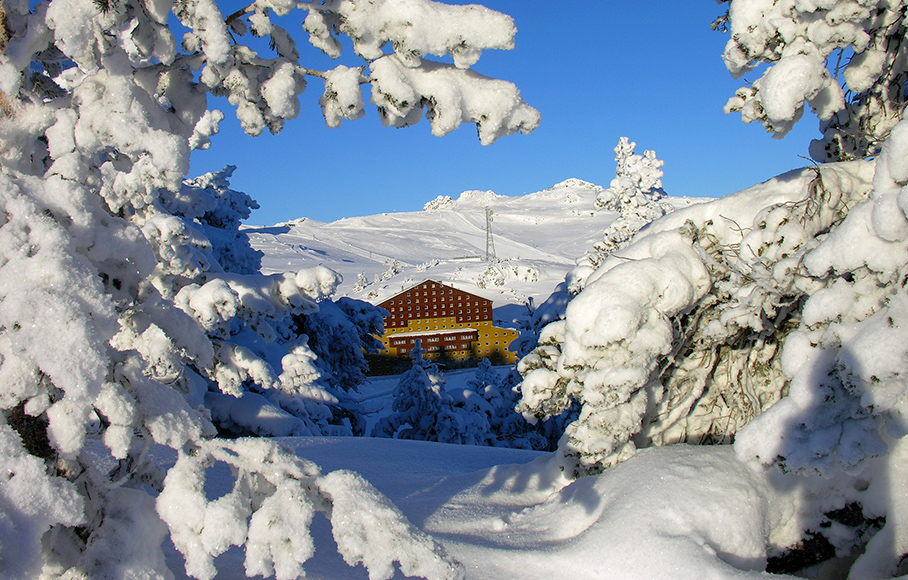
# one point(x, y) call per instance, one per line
point(426, 281)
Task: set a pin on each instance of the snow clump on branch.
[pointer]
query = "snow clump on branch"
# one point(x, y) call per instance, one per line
point(861, 39)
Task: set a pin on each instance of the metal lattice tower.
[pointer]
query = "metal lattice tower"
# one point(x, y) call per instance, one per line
point(490, 244)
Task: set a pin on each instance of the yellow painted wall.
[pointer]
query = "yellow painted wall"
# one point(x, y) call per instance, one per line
point(484, 347)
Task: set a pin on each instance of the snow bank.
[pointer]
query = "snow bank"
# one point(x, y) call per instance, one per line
point(679, 512)
point(683, 512)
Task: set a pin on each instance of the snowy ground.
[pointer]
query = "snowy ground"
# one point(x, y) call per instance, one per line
point(680, 512)
point(671, 512)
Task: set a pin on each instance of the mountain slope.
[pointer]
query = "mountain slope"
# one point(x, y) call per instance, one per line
point(536, 237)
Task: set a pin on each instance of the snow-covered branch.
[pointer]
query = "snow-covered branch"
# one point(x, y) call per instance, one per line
point(800, 41)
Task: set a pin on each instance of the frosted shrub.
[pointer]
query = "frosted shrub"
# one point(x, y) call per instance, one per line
point(492, 276)
point(131, 313)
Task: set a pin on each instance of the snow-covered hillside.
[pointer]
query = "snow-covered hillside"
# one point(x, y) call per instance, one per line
point(537, 238)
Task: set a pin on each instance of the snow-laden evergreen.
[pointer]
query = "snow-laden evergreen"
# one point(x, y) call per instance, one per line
point(424, 411)
point(773, 318)
point(634, 193)
point(132, 315)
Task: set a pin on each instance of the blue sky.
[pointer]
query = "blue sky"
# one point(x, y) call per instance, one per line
point(596, 69)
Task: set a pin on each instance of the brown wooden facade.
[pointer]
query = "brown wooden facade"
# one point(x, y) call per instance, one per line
point(453, 327)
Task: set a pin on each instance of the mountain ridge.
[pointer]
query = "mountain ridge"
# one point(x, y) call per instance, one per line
point(537, 239)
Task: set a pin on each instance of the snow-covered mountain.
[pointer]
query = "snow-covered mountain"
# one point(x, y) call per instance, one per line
point(536, 239)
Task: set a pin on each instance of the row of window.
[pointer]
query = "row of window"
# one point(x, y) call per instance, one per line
point(461, 353)
point(436, 347)
point(460, 311)
point(399, 341)
point(426, 292)
point(390, 321)
point(476, 305)
point(460, 300)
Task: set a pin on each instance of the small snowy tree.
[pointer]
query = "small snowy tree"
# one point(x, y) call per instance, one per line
point(499, 397)
point(425, 412)
point(392, 270)
point(130, 311)
point(361, 282)
point(634, 193)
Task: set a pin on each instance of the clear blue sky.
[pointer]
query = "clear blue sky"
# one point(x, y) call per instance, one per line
point(596, 69)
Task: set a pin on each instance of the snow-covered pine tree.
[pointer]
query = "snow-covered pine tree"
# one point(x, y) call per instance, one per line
point(130, 316)
point(495, 396)
point(361, 282)
point(634, 193)
point(776, 318)
point(423, 411)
